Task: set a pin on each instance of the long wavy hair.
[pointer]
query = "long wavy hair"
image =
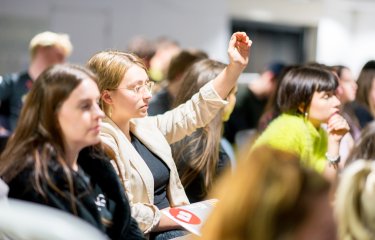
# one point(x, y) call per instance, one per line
point(38, 137)
point(199, 153)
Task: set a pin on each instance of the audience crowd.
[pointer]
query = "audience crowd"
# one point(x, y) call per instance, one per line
point(92, 142)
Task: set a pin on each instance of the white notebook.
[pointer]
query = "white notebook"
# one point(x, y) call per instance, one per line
point(192, 216)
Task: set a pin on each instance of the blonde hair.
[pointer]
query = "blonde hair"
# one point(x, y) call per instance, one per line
point(268, 197)
point(110, 68)
point(46, 39)
point(354, 204)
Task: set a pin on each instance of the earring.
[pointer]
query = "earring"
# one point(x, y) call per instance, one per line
point(110, 112)
point(306, 115)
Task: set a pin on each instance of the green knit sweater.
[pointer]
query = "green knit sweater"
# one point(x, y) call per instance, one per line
point(294, 134)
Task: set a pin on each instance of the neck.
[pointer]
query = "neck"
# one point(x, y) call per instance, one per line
point(124, 125)
point(35, 69)
point(71, 157)
point(316, 124)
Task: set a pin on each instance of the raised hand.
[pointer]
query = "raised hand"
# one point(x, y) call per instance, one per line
point(239, 49)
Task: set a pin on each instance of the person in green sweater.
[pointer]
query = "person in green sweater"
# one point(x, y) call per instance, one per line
point(306, 98)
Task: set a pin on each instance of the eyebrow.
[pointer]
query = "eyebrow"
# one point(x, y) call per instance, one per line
point(137, 82)
point(87, 99)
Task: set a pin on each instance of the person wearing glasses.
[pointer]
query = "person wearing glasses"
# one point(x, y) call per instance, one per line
point(142, 144)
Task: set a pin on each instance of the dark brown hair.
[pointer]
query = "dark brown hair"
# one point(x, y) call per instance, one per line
point(299, 84)
point(182, 61)
point(38, 138)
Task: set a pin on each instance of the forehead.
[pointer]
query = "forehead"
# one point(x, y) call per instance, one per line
point(87, 89)
point(135, 74)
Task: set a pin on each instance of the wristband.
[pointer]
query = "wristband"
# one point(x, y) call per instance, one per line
point(333, 160)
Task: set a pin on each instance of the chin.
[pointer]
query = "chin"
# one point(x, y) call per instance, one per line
point(95, 141)
point(142, 114)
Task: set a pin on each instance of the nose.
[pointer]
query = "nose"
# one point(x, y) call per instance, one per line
point(146, 93)
point(336, 101)
point(98, 111)
point(355, 85)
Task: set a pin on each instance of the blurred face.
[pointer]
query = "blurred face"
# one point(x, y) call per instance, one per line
point(347, 87)
point(323, 105)
point(53, 55)
point(80, 116)
point(228, 109)
point(131, 98)
point(372, 97)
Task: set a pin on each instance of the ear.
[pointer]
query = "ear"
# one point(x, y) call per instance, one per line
point(106, 97)
point(301, 107)
point(268, 75)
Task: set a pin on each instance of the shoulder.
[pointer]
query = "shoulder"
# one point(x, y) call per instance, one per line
point(285, 132)
point(287, 121)
point(93, 158)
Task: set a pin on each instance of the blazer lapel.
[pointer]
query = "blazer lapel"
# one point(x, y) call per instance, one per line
point(152, 140)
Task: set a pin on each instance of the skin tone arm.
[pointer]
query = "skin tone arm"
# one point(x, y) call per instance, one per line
point(238, 51)
point(337, 128)
point(166, 223)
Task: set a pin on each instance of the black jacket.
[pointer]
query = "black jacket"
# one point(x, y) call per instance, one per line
point(100, 171)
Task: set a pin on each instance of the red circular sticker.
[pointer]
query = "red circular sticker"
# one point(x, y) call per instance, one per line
point(184, 216)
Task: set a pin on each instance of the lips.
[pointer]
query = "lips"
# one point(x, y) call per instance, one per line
point(333, 114)
point(96, 128)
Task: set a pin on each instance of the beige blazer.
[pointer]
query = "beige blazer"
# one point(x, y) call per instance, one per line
point(157, 133)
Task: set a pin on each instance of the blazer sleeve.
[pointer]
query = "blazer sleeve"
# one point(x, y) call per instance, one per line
point(146, 215)
point(186, 118)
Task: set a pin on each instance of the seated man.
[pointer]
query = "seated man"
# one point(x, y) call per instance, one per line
point(46, 49)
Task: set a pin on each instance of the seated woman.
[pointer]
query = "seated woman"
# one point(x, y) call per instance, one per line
point(354, 204)
point(306, 98)
point(271, 196)
point(199, 157)
point(364, 147)
point(364, 104)
point(141, 143)
point(346, 93)
point(51, 159)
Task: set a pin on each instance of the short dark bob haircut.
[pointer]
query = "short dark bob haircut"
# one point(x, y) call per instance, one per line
point(299, 84)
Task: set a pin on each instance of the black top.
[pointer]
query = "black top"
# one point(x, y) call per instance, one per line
point(104, 204)
point(13, 90)
point(102, 180)
point(159, 170)
point(195, 190)
point(160, 103)
point(246, 114)
point(363, 115)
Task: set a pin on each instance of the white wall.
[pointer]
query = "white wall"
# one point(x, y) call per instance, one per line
point(345, 27)
point(346, 34)
point(95, 25)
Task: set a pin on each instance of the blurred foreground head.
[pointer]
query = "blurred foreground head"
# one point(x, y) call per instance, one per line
point(354, 204)
point(271, 196)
